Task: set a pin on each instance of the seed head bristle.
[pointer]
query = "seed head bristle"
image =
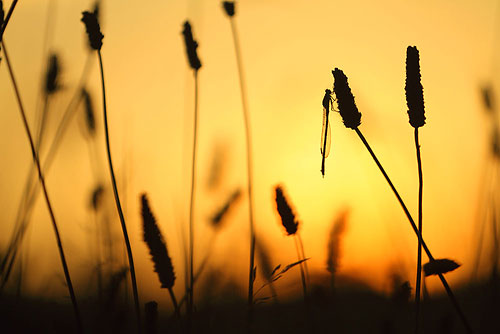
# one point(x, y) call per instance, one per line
point(229, 8)
point(89, 111)
point(286, 213)
point(414, 89)
point(93, 29)
point(52, 75)
point(157, 246)
point(347, 107)
point(191, 46)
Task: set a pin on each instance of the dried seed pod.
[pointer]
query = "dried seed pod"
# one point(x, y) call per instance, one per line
point(229, 8)
point(413, 88)
point(157, 246)
point(288, 219)
point(93, 29)
point(191, 46)
point(347, 107)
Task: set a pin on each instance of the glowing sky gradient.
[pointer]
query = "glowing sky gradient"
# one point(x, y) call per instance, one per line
point(289, 49)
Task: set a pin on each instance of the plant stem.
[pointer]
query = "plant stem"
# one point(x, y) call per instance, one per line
point(248, 137)
point(419, 252)
point(7, 19)
point(191, 208)
point(174, 301)
point(46, 195)
point(30, 191)
point(117, 200)
point(302, 274)
point(415, 229)
point(303, 254)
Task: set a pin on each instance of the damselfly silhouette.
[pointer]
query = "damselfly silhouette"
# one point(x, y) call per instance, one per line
point(325, 131)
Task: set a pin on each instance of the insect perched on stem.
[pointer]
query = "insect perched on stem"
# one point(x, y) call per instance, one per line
point(325, 131)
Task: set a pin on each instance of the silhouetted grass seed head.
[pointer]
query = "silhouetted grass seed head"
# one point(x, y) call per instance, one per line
point(345, 100)
point(157, 246)
point(228, 8)
point(52, 76)
point(191, 46)
point(286, 213)
point(413, 88)
point(93, 30)
point(89, 111)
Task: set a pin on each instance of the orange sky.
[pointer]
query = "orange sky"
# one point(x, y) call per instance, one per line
point(289, 49)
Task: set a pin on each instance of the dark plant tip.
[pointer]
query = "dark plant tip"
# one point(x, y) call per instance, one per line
point(439, 266)
point(52, 75)
point(229, 8)
point(191, 46)
point(487, 95)
point(285, 211)
point(157, 246)
point(96, 198)
point(93, 29)
point(413, 88)
point(89, 111)
point(347, 107)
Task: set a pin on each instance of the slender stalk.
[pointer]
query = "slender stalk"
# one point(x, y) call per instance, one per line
point(415, 229)
point(303, 254)
point(191, 206)
point(246, 119)
point(174, 301)
point(302, 271)
point(419, 252)
point(7, 19)
point(117, 200)
point(30, 191)
point(45, 193)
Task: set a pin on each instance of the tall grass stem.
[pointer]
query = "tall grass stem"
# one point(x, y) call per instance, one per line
point(415, 229)
point(301, 245)
point(191, 207)
point(419, 252)
point(117, 200)
point(46, 195)
point(302, 270)
point(7, 19)
point(249, 166)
